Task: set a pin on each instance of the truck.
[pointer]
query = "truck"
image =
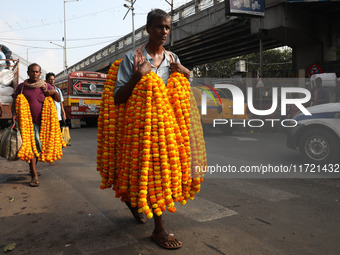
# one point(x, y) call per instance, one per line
point(9, 80)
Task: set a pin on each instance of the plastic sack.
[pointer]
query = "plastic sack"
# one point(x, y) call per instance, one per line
point(6, 91)
point(65, 131)
point(10, 142)
point(6, 99)
point(6, 77)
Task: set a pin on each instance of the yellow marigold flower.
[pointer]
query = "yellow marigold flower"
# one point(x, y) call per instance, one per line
point(144, 154)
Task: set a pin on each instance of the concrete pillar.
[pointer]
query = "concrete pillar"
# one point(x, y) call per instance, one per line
point(198, 6)
point(329, 38)
point(181, 14)
point(306, 55)
point(301, 78)
point(249, 79)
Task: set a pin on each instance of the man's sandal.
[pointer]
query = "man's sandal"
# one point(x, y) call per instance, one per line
point(166, 241)
point(34, 183)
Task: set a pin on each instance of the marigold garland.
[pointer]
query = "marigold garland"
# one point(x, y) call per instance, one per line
point(144, 147)
point(28, 149)
point(50, 135)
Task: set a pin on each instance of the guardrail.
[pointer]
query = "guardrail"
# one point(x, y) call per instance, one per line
point(125, 43)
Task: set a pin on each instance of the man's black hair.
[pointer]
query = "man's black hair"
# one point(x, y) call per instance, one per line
point(49, 75)
point(31, 65)
point(155, 14)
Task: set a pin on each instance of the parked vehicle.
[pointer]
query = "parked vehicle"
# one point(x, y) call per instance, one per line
point(82, 92)
point(317, 136)
point(216, 109)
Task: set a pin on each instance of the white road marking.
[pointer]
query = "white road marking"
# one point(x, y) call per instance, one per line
point(203, 210)
point(264, 192)
point(247, 139)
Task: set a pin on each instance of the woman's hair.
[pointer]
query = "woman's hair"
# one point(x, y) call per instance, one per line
point(155, 14)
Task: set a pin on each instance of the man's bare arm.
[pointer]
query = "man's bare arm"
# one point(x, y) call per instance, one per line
point(123, 94)
point(177, 67)
point(52, 93)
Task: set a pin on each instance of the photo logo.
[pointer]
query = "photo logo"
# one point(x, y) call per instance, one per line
point(209, 93)
point(239, 105)
point(238, 100)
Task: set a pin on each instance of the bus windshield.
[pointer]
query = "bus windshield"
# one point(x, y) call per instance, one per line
point(83, 87)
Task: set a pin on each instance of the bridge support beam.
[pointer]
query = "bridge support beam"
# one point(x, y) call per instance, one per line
point(314, 37)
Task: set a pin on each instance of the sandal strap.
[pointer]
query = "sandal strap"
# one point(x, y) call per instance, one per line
point(164, 237)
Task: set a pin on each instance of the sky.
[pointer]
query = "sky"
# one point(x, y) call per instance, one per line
point(28, 27)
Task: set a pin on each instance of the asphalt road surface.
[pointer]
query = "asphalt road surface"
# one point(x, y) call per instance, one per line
point(277, 213)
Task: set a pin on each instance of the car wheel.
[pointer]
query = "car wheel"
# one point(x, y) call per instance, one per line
point(319, 146)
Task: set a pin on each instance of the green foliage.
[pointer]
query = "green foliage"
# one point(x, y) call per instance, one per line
point(276, 63)
point(218, 69)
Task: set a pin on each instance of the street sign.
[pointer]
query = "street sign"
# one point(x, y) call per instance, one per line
point(314, 69)
point(245, 7)
point(241, 65)
point(260, 83)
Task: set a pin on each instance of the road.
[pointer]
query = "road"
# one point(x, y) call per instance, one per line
point(233, 214)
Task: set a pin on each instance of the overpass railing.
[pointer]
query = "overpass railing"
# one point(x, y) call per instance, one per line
point(125, 43)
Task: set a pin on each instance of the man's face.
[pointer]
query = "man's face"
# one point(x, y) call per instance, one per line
point(34, 73)
point(159, 30)
point(51, 80)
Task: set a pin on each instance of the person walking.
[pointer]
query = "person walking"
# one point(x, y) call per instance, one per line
point(50, 78)
point(154, 58)
point(35, 90)
point(321, 95)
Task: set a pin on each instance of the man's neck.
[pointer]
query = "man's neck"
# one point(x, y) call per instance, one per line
point(30, 81)
point(153, 49)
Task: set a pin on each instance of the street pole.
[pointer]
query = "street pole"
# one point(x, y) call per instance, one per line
point(172, 16)
point(61, 46)
point(65, 41)
point(65, 56)
point(261, 59)
point(130, 7)
point(133, 26)
point(261, 52)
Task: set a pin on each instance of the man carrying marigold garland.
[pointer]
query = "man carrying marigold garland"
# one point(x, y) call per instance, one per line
point(50, 78)
point(35, 90)
point(151, 57)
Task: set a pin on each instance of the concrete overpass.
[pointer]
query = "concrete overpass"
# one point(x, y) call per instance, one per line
point(203, 33)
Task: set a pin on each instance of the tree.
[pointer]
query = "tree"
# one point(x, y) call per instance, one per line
point(222, 68)
point(276, 63)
